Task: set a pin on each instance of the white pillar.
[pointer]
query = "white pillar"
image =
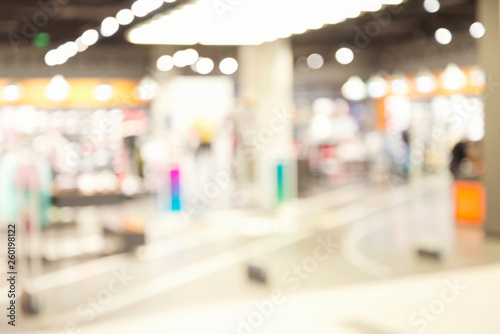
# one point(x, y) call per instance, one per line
point(266, 84)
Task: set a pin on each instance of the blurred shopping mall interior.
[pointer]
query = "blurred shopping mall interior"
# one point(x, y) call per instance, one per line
point(249, 166)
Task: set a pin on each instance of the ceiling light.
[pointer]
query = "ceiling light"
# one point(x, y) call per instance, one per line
point(68, 49)
point(443, 36)
point(204, 66)
point(354, 89)
point(477, 30)
point(432, 6)
point(12, 92)
point(55, 57)
point(377, 87)
point(109, 26)
point(228, 66)
point(140, 8)
point(90, 37)
point(344, 56)
point(152, 5)
point(165, 63)
point(370, 5)
point(80, 46)
point(103, 92)
point(391, 2)
point(190, 56)
point(180, 59)
point(352, 13)
point(125, 16)
point(315, 61)
point(425, 82)
point(399, 85)
point(453, 78)
point(192, 25)
point(58, 89)
point(52, 58)
point(185, 57)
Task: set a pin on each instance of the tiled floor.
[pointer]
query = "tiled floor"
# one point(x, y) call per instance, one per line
point(372, 233)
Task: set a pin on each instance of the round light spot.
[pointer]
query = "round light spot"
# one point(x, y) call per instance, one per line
point(190, 56)
point(204, 66)
point(443, 36)
point(431, 6)
point(125, 16)
point(140, 8)
point(477, 30)
point(109, 26)
point(377, 87)
point(90, 37)
point(315, 61)
point(354, 89)
point(399, 86)
point(103, 92)
point(228, 66)
point(425, 83)
point(165, 63)
point(344, 56)
point(12, 92)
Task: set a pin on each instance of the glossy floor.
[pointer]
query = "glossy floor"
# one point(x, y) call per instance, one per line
point(328, 257)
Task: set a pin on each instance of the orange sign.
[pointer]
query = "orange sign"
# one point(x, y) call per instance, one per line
point(81, 94)
point(470, 202)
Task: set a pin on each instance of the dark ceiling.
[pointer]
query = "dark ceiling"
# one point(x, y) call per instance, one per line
point(410, 24)
point(73, 17)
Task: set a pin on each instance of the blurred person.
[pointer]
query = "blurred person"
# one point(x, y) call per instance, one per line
point(457, 156)
point(474, 154)
point(203, 132)
point(466, 161)
point(396, 147)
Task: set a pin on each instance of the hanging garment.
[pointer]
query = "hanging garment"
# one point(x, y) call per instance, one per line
point(17, 170)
